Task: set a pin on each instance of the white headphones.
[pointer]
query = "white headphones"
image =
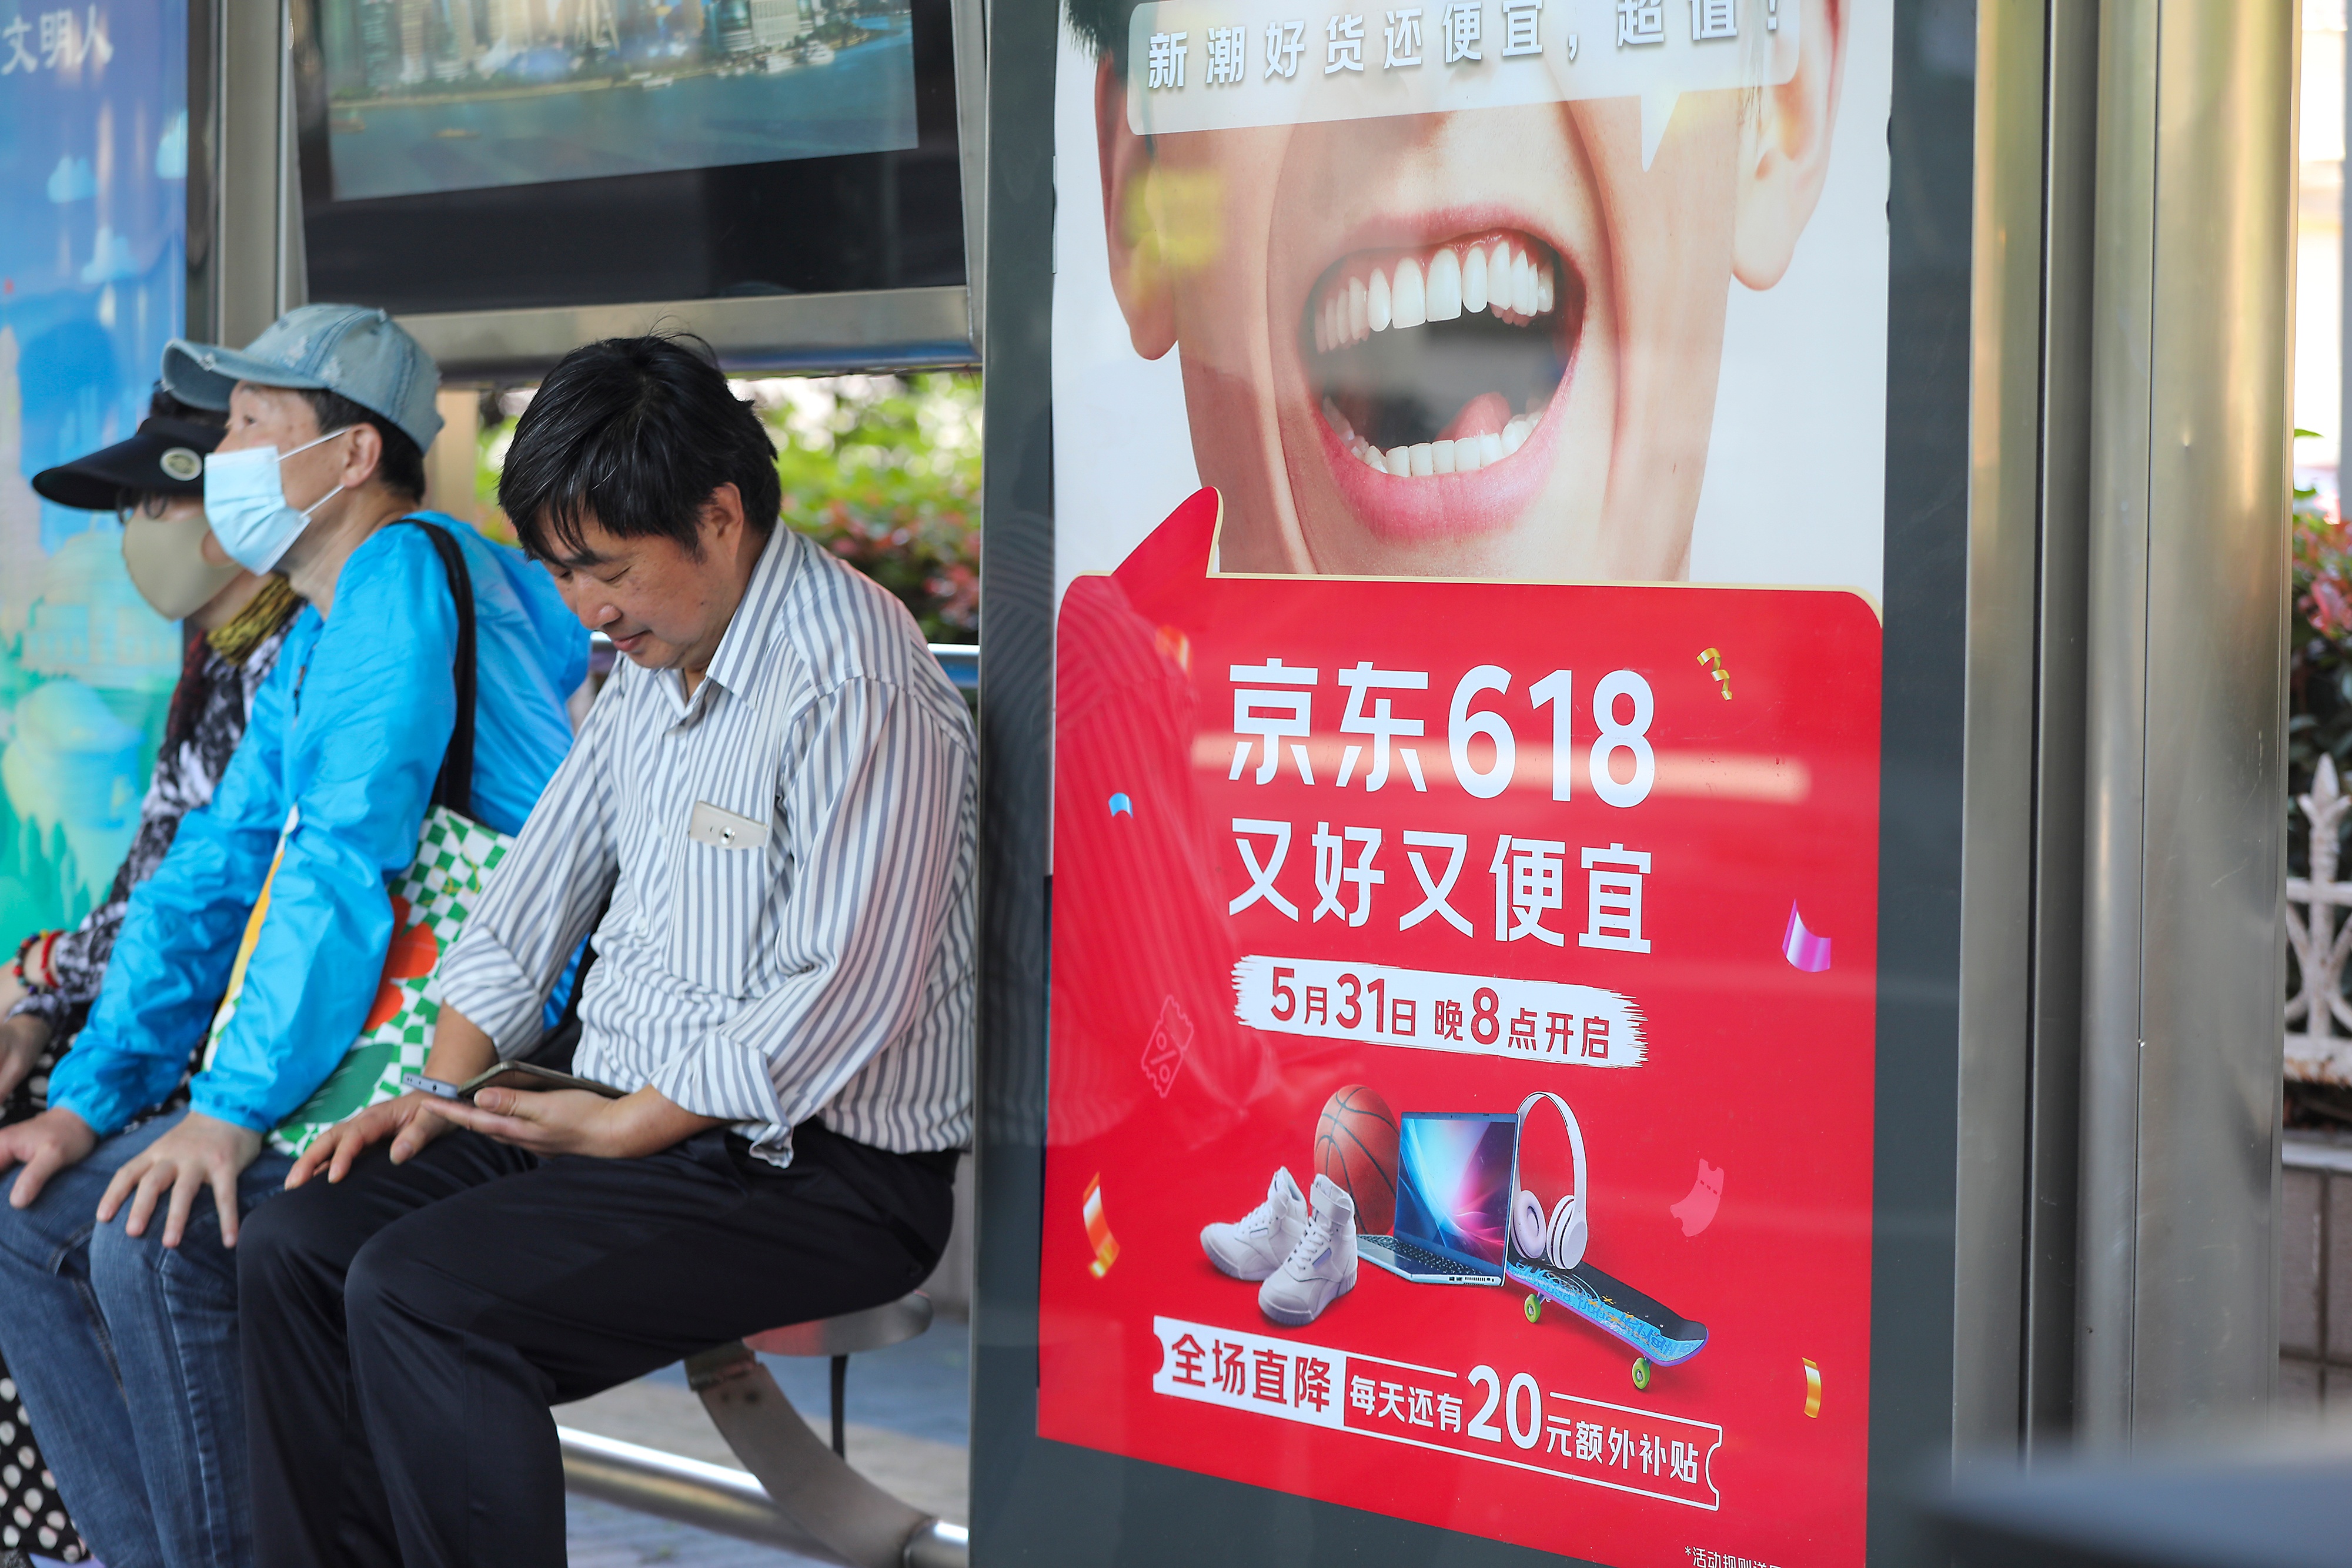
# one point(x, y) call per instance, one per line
point(1560, 1241)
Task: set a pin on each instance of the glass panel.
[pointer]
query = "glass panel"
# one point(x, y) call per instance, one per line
point(93, 171)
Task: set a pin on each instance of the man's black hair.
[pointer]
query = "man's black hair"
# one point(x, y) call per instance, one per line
point(633, 434)
point(401, 468)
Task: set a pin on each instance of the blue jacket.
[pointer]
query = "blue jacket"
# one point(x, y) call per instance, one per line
point(347, 735)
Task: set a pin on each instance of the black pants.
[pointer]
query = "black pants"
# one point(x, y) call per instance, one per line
point(406, 1330)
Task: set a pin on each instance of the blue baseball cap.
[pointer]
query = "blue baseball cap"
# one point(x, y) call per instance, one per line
point(349, 349)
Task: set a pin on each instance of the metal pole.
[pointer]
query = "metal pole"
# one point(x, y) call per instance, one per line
point(2184, 854)
point(1997, 851)
point(245, 270)
point(716, 1498)
point(2021, 886)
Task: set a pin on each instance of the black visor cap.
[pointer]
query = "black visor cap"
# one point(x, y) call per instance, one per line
point(165, 458)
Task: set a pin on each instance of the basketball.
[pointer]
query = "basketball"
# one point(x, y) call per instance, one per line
point(1356, 1147)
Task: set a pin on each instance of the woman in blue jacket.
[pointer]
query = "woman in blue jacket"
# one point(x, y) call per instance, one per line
point(331, 410)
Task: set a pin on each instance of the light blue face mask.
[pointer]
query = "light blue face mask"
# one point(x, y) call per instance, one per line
point(244, 501)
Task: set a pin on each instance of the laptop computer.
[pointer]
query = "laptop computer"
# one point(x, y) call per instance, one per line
point(1454, 1180)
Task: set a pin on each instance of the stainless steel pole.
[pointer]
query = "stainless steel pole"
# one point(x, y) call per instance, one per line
point(2184, 854)
point(2022, 877)
point(718, 1498)
point(251, 187)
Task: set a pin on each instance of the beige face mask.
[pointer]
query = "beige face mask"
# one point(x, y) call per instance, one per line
point(166, 557)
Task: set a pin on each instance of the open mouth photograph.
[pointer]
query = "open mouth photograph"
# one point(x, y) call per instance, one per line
point(1474, 324)
point(1441, 360)
point(1440, 407)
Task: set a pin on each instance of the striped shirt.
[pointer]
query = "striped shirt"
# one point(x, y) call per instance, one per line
point(826, 965)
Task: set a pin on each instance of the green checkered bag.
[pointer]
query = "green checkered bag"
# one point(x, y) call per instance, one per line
point(430, 902)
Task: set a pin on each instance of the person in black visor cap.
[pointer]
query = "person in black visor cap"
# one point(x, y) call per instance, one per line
point(154, 483)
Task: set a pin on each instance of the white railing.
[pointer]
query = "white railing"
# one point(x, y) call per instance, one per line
point(2322, 940)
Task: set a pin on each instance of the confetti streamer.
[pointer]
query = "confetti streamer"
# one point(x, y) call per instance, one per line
point(1805, 950)
point(1105, 1245)
point(1813, 1389)
point(1714, 657)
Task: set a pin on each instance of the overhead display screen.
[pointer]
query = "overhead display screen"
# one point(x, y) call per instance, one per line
point(453, 95)
point(469, 156)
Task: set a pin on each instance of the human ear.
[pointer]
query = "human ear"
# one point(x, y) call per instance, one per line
point(366, 457)
point(1138, 274)
point(722, 519)
point(1784, 150)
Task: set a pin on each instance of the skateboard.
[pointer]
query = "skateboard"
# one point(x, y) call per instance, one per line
point(1663, 1337)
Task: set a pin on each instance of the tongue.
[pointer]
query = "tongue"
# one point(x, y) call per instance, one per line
point(1485, 415)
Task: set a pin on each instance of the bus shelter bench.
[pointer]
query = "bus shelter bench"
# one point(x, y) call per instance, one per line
point(799, 1494)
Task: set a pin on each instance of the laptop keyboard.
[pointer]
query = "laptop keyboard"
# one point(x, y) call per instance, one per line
point(1422, 1260)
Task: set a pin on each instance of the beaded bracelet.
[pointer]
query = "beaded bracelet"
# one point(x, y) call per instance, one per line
point(47, 941)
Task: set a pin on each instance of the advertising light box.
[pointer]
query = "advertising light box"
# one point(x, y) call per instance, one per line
point(1465, 1079)
point(1517, 926)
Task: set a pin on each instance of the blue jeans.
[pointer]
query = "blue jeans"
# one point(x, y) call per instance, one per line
point(125, 1352)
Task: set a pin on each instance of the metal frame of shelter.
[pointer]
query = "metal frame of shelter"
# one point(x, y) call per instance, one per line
point(2082, 842)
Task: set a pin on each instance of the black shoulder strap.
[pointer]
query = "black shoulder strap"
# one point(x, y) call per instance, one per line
point(454, 788)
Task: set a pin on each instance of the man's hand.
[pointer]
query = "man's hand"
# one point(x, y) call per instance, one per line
point(460, 1050)
point(45, 1145)
point(201, 1152)
point(574, 1122)
point(22, 1041)
point(411, 1121)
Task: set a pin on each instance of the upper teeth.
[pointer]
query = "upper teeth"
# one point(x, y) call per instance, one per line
point(1438, 285)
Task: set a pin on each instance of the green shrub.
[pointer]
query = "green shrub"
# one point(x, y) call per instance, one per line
point(885, 471)
point(882, 470)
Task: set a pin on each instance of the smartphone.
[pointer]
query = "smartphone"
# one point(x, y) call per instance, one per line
point(523, 1075)
point(520, 1075)
point(417, 1083)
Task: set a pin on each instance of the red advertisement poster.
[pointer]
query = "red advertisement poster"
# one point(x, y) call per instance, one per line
point(1460, 1099)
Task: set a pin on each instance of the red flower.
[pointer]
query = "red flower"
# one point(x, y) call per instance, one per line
point(411, 957)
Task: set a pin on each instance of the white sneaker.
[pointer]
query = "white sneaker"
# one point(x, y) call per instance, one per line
point(1321, 1268)
point(1254, 1246)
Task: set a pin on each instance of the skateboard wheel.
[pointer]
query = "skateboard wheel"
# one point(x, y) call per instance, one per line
point(1641, 1371)
point(1532, 1306)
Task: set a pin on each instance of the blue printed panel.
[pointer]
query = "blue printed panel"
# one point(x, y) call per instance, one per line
point(93, 224)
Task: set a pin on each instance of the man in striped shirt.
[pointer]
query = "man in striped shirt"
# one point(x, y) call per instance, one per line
point(766, 829)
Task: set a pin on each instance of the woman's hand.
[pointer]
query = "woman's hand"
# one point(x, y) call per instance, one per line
point(22, 1041)
point(411, 1121)
point(45, 1145)
point(575, 1121)
point(201, 1152)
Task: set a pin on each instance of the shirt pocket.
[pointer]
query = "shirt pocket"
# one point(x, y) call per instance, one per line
point(720, 916)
